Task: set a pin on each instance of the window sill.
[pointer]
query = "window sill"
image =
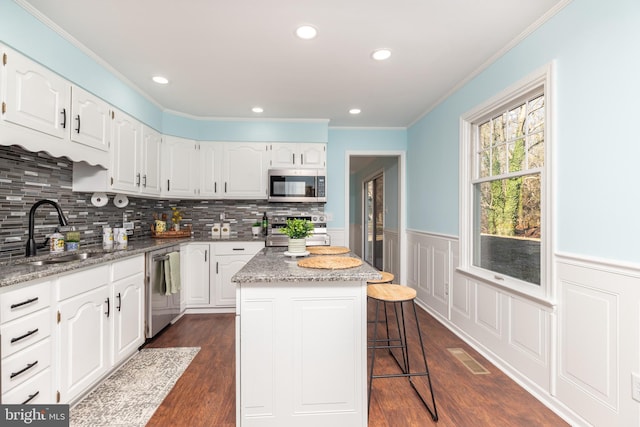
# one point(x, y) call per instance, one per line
point(489, 280)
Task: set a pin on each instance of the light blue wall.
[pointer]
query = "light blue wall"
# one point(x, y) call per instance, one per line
point(595, 45)
point(354, 141)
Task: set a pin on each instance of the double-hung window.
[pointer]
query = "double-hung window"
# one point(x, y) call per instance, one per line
point(505, 192)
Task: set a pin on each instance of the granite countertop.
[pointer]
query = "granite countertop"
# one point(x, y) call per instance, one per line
point(21, 270)
point(271, 265)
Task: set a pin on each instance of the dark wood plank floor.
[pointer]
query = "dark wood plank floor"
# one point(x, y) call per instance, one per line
point(205, 394)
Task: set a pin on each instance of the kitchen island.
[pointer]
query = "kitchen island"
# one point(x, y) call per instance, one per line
point(301, 343)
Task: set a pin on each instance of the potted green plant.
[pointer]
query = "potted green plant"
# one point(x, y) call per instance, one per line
point(297, 230)
point(256, 228)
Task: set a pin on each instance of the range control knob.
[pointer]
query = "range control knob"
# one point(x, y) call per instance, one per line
point(322, 219)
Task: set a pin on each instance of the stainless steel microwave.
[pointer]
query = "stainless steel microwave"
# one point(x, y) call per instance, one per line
point(297, 185)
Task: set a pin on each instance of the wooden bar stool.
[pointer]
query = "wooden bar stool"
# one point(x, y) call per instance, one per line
point(386, 278)
point(397, 295)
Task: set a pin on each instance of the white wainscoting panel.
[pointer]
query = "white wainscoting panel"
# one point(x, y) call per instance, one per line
point(598, 341)
point(392, 254)
point(488, 309)
point(338, 237)
point(528, 324)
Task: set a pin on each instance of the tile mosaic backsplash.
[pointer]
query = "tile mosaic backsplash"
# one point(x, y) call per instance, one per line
point(27, 177)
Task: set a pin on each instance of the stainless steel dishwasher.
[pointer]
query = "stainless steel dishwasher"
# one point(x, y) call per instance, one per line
point(161, 309)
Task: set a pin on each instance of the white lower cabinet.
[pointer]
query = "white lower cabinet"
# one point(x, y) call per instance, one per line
point(195, 274)
point(26, 321)
point(101, 323)
point(84, 330)
point(60, 336)
point(208, 269)
point(128, 310)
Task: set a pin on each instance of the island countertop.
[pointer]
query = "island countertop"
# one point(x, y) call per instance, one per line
point(271, 265)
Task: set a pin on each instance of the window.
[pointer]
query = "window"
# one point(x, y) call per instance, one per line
point(504, 187)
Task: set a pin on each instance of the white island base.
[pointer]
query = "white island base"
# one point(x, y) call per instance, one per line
point(301, 354)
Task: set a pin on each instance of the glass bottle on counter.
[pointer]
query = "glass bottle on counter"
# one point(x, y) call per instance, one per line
point(265, 224)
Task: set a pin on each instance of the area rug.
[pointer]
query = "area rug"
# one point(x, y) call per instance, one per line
point(131, 395)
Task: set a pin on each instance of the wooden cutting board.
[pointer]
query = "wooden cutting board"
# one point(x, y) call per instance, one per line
point(327, 250)
point(330, 262)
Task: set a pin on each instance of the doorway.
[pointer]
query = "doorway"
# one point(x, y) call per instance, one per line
point(374, 221)
point(387, 249)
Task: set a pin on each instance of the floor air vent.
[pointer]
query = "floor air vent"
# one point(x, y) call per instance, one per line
point(469, 362)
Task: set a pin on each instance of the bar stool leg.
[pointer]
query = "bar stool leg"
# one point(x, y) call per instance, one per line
point(402, 337)
point(434, 412)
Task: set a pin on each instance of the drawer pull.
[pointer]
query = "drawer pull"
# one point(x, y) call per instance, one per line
point(31, 397)
point(238, 249)
point(20, 304)
point(29, 366)
point(21, 337)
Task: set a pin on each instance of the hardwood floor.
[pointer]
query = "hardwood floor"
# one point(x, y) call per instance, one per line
point(205, 394)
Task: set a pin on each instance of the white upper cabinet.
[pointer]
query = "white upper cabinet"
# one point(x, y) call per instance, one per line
point(298, 155)
point(90, 123)
point(211, 169)
point(42, 111)
point(180, 166)
point(125, 153)
point(36, 97)
point(245, 167)
point(150, 161)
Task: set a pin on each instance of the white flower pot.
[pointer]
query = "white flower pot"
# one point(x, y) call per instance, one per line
point(256, 231)
point(297, 246)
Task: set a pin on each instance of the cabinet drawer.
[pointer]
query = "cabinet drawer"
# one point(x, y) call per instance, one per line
point(76, 283)
point(127, 267)
point(25, 364)
point(24, 301)
point(23, 332)
point(238, 248)
point(37, 390)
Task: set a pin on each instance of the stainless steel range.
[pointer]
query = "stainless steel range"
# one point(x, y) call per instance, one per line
point(320, 237)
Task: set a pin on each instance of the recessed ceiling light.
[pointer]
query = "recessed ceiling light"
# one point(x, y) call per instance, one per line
point(381, 54)
point(257, 109)
point(355, 111)
point(160, 80)
point(306, 32)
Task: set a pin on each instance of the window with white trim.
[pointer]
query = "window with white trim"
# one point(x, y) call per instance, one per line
point(504, 187)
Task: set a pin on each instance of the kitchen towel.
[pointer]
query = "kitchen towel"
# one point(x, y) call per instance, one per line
point(172, 273)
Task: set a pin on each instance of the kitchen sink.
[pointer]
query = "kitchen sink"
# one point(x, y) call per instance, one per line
point(63, 259)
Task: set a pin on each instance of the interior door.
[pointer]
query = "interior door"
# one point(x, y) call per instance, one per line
point(374, 221)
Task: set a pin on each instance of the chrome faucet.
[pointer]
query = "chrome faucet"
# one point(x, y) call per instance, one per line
point(31, 242)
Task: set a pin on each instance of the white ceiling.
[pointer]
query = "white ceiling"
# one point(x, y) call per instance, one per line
point(224, 57)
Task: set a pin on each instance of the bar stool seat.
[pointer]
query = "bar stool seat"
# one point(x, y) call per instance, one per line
point(386, 278)
point(397, 295)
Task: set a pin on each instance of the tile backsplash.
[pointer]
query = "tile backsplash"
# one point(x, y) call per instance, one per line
point(27, 177)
